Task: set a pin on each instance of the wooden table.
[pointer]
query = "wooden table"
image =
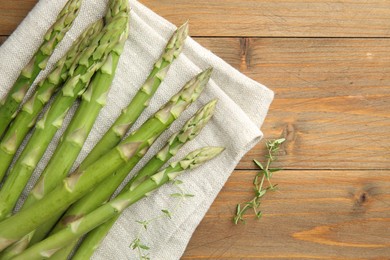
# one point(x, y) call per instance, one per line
point(329, 64)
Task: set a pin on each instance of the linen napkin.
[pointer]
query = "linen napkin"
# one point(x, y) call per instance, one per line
point(242, 107)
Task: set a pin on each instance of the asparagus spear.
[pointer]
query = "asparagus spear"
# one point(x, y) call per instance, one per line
point(130, 114)
point(141, 100)
point(53, 36)
point(79, 183)
point(79, 128)
point(90, 61)
point(134, 109)
point(49, 246)
point(26, 118)
point(103, 191)
point(190, 130)
point(73, 139)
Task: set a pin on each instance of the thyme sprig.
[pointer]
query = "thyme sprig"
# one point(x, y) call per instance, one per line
point(137, 243)
point(260, 189)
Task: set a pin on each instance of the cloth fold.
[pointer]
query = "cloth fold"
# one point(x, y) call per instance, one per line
point(242, 107)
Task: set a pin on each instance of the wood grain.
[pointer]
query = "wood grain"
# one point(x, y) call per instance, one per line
point(2, 39)
point(332, 104)
point(288, 18)
point(12, 12)
point(332, 98)
point(314, 215)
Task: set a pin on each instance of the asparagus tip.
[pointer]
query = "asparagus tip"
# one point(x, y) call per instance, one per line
point(202, 155)
point(205, 75)
point(212, 104)
point(208, 72)
point(183, 30)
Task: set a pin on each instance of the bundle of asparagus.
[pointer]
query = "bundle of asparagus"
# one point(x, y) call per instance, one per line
point(41, 229)
point(53, 36)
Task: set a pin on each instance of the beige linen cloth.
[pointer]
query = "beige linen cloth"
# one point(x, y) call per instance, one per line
point(242, 107)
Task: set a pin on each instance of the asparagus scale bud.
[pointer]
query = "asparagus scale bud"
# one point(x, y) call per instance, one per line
point(70, 144)
point(27, 116)
point(141, 100)
point(81, 182)
point(75, 230)
point(133, 148)
point(189, 131)
point(91, 60)
point(11, 103)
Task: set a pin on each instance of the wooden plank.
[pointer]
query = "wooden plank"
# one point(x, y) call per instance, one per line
point(332, 98)
point(2, 39)
point(314, 215)
point(12, 12)
point(296, 18)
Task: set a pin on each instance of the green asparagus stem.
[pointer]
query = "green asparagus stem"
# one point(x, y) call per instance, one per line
point(53, 36)
point(73, 139)
point(190, 130)
point(90, 61)
point(27, 116)
point(49, 246)
point(149, 131)
point(141, 100)
point(144, 138)
point(79, 128)
point(81, 182)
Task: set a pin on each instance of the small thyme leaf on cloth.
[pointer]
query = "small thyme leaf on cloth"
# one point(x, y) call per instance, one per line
point(137, 244)
point(260, 189)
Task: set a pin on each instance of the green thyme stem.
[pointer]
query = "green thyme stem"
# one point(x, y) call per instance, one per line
point(265, 174)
